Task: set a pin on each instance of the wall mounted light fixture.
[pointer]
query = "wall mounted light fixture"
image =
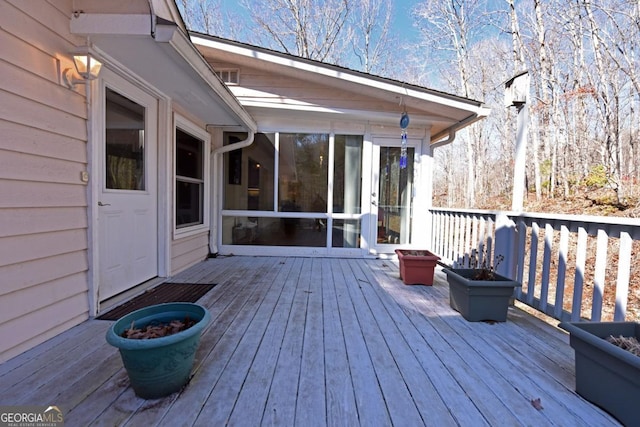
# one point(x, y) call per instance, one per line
point(87, 67)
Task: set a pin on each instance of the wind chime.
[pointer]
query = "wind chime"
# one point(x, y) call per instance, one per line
point(404, 123)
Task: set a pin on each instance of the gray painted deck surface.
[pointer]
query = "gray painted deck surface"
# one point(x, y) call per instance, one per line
point(312, 341)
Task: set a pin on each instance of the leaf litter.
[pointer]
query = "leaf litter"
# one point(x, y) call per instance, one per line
point(631, 344)
point(158, 330)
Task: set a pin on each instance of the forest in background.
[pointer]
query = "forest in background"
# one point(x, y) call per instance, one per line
point(583, 153)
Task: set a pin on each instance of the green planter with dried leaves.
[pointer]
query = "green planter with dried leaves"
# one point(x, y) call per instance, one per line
point(159, 366)
point(479, 293)
point(607, 364)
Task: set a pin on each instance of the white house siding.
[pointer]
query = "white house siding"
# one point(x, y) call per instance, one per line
point(189, 250)
point(265, 86)
point(43, 218)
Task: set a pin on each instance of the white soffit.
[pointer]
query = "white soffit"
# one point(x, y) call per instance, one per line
point(167, 61)
point(430, 101)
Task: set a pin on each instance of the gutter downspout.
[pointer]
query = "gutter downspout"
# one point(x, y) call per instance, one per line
point(448, 140)
point(216, 188)
point(153, 17)
point(452, 131)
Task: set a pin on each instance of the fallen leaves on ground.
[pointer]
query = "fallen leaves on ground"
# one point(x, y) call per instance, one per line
point(537, 403)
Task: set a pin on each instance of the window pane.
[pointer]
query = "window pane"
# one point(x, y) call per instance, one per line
point(188, 203)
point(346, 233)
point(395, 196)
point(124, 138)
point(189, 182)
point(249, 174)
point(306, 232)
point(347, 175)
point(303, 172)
point(188, 155)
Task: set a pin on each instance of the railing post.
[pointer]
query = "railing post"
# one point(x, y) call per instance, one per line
point(506, 245)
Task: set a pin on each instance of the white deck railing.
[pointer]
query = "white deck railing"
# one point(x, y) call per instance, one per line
point(571, 266)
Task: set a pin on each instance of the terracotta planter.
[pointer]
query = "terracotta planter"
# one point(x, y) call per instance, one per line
point(417, 266)
point(479, 300)
point(606, 374)
point(160, 366)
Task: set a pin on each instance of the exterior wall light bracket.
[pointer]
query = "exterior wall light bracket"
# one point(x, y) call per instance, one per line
point(87, 67)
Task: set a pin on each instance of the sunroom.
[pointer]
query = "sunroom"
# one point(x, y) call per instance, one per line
point(332, 170)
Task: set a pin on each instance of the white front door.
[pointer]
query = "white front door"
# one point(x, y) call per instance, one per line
point(392, 195)
point(128, 199)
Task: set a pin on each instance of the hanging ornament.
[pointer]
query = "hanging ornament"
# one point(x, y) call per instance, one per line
point(404, 123)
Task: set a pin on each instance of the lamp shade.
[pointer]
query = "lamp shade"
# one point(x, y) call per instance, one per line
point(87, 66)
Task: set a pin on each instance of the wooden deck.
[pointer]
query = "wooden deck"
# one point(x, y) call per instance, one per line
point(304, 341)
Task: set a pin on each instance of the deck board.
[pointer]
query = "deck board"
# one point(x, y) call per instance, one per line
point(319, 341)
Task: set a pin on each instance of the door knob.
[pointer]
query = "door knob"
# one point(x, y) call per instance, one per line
point(104, 204)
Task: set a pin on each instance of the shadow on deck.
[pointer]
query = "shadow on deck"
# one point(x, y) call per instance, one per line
point(305, 341)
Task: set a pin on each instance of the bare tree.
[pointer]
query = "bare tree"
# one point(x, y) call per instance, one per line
point(202, 15)
point(209, 16)
point(307, 28)
point(449, 28)
point(369, 24)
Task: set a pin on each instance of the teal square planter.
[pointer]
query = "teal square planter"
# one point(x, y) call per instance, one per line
point(478, 300)
point(606, 374)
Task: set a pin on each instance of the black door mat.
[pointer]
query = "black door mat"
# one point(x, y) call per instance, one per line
point(164, 292)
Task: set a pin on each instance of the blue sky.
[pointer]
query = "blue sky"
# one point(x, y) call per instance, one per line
point(403, 27)
point(403, 22)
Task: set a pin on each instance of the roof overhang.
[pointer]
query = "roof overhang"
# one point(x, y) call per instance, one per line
point(443, 113)
point(158, 52)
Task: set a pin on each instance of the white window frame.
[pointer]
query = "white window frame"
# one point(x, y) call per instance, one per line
point(187, 126)
point(226, 73)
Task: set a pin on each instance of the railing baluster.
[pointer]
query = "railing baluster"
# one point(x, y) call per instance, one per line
point(522, 242)
point(456, 239)
point(467, 238)
point(436, 233)
point(578, 283)
point(481, 238)
point(601, 269)
point(473, 242)
point(533, 258)
point(622, 283)
point(449, 239)
point(546, 266)
point(563, 251)
point(488, 250)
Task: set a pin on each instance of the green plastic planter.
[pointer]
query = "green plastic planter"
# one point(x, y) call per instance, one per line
point(160, 366)
point(417, 266)
point(479, 300)
point(606, 374)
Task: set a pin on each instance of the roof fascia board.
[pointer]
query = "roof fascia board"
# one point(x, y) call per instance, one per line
point(338, 73)
point(180, 42)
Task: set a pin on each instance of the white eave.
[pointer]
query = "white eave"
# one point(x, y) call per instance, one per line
point(157, 51)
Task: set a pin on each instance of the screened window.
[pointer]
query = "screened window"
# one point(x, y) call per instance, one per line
point(304, 166)
point(249, 173)
point(189, 179)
